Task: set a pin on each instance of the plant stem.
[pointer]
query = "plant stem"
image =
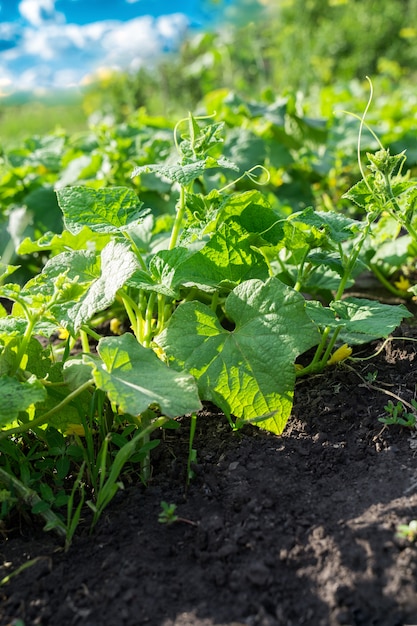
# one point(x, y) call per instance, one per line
point(134, 314)
point(108, 487)
point(178, 219)
point(26, 339)
point(160, 325)
point(84, 342)
point(148, 329)
point(136, 250)
point(300, 273)
point(191, 451)
point(89, 331)
point(352, 259)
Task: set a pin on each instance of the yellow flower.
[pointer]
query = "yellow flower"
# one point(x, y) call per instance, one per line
point(159, 352)
point(403, 284)
point(75, 429)
point(340, 354)
point(63, 333)
point(116, 326)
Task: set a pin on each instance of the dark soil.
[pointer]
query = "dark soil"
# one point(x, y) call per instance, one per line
point(291, 530)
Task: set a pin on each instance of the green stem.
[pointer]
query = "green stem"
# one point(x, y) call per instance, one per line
point(84, 342)
point(191, 450)
point(26, 339)
point(352, 260)
point(178, 219)
point(146, 461)
point(300, 273)
point(161, 314)
point(215, 301)
point(89, 331)
point(42, 419)
point(136, 250)
point(134, 315)
point(148, 331)
point(107, 491)
point(314, 364)
point(330, 346)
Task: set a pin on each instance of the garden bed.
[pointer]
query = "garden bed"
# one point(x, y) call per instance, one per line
point(297, 529)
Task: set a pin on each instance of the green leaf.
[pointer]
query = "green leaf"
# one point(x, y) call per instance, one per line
point(225, 261)
point(201, 139)
point(79, 266)
point(362, 320)
point(64, 241)
point(162, 272)
point(248, 372)
point(107, 210)
point(6, 270)
point(17, 326)
point(134, 378)
point(64, 279)
point(76, 372)
point(43, 206)
point(318, 228)
point(17, 397)
point(360, 194)
point(253, 211)
point(118, 263)
point(368, 319)
point(187, 172)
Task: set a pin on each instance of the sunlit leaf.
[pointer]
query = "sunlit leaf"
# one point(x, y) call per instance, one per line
point(248, 371)
point(106, 210)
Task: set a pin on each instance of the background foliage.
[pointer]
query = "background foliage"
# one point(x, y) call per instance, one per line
point(267, 47)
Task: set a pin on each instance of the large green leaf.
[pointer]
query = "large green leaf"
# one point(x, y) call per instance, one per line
point(107, 210)
point(134, 378)
point(249, 371)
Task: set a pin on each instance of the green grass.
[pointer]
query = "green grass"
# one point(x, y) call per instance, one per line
point(21, 120)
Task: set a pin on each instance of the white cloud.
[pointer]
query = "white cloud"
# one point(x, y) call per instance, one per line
point(171, 27)
point(136, 37)
point(37, 12)
point(8, 30)
point(58, 54)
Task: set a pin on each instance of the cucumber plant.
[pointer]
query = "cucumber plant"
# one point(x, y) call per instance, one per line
point(215, 297)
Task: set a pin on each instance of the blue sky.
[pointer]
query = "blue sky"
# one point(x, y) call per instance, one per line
point(48, 44)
